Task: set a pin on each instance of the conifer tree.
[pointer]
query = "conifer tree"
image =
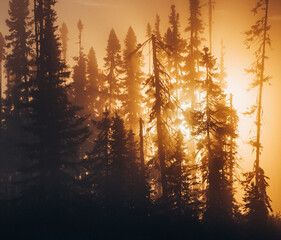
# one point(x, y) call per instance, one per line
point(158, 90)
point(64, 40)
point(182, 189)
point(257, 202)
point(98, 161)
point(18, 58)
point(211, 7)
point(93, 85)
point(57, 129)
point(195, 27)
point(214, 131)
point(156, 30)
point(177, 44)
point(79, 75)
point(148, 35)
point(113, 69)
point(18, 65)
point(133, 80)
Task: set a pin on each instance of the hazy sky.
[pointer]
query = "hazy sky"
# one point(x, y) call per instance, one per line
point(231, 19)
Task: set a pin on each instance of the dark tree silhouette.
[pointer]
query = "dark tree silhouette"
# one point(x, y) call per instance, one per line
point(148, 35)
point(175, 60)
point(133, 80)
point(57, 129)
point(79, 75)
point(98, 162)
point(93, 85)
point(195, 27)
point(213, 128)
point(257, 202)
point(113, 69)
point(19, 46)
point(64, 40)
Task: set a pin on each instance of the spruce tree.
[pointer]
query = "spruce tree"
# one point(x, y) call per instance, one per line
point(212, 130)
point(195, 27)
point(113, 69)
point(19, 50)
point(177, 44)
point(98, 161)
point(133, 80)
point(18, 65)
point(93, 85)
point(57, 129)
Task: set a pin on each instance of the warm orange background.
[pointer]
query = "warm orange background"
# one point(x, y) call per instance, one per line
point(231, 19)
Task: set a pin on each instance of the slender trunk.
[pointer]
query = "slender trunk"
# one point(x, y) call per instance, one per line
point(143, 182)
point(231, 142)
point(159, 123)
point(210, 24)
point(258, 147)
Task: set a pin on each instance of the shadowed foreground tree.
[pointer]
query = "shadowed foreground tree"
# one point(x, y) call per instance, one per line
point(257, 202)
point(212, 130)
point(57, 129)
point(19, 68)
point(114, 167)
point(18, 59)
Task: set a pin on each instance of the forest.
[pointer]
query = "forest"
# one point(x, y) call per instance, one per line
point(143, 147)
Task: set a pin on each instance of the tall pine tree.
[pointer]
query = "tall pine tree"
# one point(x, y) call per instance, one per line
point(113, 69)
point(257, 202)
point(57, 129)
point(133, 80)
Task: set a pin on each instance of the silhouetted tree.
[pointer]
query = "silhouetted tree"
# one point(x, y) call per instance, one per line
point(18, 66)
point(57, 129)
point(133, 80)
point(79, 75)
point(182, 186)
point(177, 44)
point(257, 202)
point(148, 35)
point(158, 90)
point(64, 40)
point(19, 46)
point(195, 27)
point(113, 69)
point(98, 161)
point(213, 128)
point(93, 85)
point(156, 30)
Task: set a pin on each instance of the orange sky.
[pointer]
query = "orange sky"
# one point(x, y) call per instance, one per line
point(231, 19)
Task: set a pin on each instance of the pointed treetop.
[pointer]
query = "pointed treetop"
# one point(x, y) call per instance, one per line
point(148, 30)
point(113, 42)
point(80, 25)
point(156, 31)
